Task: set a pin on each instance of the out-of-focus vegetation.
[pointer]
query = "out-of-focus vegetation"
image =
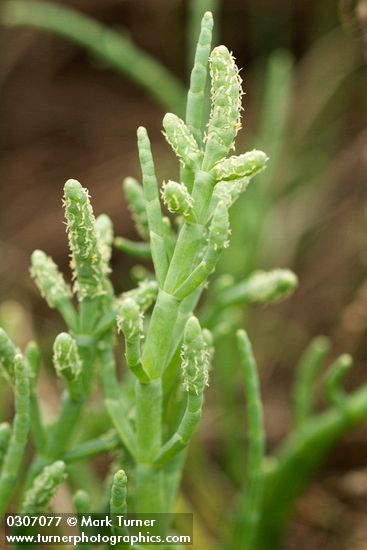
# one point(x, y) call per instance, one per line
point(304, 74)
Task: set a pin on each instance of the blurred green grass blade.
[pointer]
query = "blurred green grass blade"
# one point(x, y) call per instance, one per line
point(328, 63)
point(112, 47)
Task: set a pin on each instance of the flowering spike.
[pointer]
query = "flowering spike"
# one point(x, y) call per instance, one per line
point(66, 358)
point(196, 355)
point(43, 489)
point(225, 115)
point(260, 287)
point(48, 279)
point(181, 140)
point(104, 229)
point(177, 198)
point(86, 260)
point(246, 165)
point(228, 192)
point(195, 358)
point(134, 196)
point(129, 319)
point(119, 493)
point(8, 352)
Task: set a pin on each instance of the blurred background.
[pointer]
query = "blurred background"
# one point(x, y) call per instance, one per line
point(67, 113)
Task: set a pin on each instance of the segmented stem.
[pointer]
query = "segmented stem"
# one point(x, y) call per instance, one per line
point(217, 240)
point(198, 79)
point(307, 370)
point(250, 509)
point(154, 214)
point(43, 489)
point(130, 323)
point(15, 451)
point(135, 249)
point(134, 196)
point(5, 434)
point(333, 383)
point(118, 504)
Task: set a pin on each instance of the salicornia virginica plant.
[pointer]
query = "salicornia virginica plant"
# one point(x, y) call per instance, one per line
point(168, 345)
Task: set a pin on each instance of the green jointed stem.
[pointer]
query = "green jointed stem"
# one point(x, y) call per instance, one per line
point(38, 432)
point(43, 489)
point(135, 249)
point(18, 440)
point(118, 504)
point(217, 240)
point(81, 502)
point(112, 397)
point(149, 479)
point(196, 97)
point(153, 207)
point(307, 370)
point(63, 431)
point(158, 339)
point(187, 306)
point(82, 505)
point(134, 196)
point(198, 79)
point(103, 444)
point(111, 46)
point(333, 383)
point(191, 234)
point(198, 9)
point(5, 434)
point(250, 508)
